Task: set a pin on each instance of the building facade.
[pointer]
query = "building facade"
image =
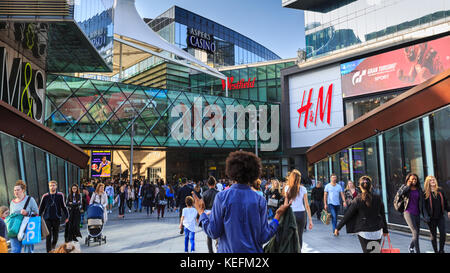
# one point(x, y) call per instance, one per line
point(367, 80)
point(336, 26)
point(38, 38)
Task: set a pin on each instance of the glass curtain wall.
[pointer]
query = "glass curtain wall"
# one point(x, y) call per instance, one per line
point(92, 112)
point(267, 85)
point(361, 22)
point(33, 162)
point(404, 153)
point(440, 137)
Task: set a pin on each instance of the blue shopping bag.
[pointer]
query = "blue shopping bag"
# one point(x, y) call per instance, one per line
point(33, 231)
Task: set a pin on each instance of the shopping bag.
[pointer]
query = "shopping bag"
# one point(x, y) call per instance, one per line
point(23, 227)
point(272, 202)
point(44, 228)
point(33, 231)
point(325, 217)
point(3, 245)
point(13, 223)
point(390, 249)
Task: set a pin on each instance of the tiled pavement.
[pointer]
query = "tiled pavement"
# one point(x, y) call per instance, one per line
point(139, 233)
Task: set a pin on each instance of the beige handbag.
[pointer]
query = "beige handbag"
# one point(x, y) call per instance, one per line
point(44, 229)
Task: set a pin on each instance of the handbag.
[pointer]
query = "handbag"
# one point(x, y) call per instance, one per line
point(390, 249)
point(272, 202)
point(44, 228)
point(325, 217)
point(33, 231)
point(14, 221)
point(23, 227)
point(3, 245)
point(162, 202)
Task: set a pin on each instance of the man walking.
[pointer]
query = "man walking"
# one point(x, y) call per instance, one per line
point(51, 208)
point(110, 193)
point(182, 193)
point(139, 196)
point(333, 192)
point(317, 199)
point(208, 199)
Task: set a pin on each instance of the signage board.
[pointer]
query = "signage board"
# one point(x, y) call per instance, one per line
point(200, 40)
point(101, 164)
point(315, 105)
point(399, 68)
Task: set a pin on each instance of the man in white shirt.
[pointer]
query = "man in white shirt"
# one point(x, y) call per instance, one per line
point(331, 199)
point(219, 186)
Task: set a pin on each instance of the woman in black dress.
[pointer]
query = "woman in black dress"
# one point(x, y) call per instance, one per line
point(74, 204)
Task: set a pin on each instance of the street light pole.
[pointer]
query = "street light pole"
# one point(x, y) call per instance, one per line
point(131, 152)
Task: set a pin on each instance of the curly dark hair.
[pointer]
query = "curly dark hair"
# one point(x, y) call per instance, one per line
point(243, 167)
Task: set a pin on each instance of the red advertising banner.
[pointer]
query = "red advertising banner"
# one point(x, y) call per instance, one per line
point(399, 68)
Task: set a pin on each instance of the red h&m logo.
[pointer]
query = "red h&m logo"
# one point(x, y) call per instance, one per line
point(306, 108)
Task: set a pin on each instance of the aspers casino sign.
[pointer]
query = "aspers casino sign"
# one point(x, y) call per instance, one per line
point(201, 40)
point(315, 105)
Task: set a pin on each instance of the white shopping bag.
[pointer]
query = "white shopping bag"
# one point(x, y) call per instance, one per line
point(23, 226)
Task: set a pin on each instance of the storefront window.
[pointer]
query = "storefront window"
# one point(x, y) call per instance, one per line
point(440, 135)
point(365, 162)
point(357, 107)
point(403, 155)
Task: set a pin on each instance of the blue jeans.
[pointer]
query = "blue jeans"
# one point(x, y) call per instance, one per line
point(138, 203)
point(334, 213)
point(189, 236)
point(16, 246)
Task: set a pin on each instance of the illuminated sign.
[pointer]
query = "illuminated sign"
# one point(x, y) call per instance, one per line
point(21, 86)
point(395, 69)
point(200, 40)
point(239, 85)
point(315, 105)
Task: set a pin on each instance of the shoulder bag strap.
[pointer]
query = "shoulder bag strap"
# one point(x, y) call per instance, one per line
point(26, 203)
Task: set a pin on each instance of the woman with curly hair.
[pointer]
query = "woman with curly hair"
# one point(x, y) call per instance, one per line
point(239, 215)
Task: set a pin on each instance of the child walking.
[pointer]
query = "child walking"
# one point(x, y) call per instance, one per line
point(188, 219)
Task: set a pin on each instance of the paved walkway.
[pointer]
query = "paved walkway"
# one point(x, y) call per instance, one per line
point(139, 233)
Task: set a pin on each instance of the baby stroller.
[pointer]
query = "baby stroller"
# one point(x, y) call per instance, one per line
point(95, 224)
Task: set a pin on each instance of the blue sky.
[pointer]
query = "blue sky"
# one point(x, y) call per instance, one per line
point(264, 21)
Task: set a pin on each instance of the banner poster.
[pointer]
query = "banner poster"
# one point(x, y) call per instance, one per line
point(399, 68)
point(101, 164)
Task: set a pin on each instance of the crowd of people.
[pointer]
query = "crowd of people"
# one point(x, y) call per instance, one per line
point(241, 213)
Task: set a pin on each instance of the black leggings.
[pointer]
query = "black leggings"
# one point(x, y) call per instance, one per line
point(301, 222)
point(434, 225)
point(122, 207)
point(52, 238)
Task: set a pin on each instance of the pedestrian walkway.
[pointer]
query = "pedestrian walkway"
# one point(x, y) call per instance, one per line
point(139, 233)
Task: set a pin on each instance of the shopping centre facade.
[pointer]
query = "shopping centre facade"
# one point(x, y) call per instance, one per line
point(376, 106)
point(83, 95)
point(36, 39)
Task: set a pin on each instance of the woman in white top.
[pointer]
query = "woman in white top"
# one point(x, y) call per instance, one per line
point(99, 196)
point(297, 193)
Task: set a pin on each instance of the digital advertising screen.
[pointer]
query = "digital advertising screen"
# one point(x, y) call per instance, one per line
point(101, 164)
point(395, 69)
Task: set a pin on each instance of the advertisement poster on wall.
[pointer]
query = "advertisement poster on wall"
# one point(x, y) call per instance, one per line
point(399, 68)
point(101, 164)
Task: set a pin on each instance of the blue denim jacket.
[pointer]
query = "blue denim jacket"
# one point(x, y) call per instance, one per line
point(239, 219)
